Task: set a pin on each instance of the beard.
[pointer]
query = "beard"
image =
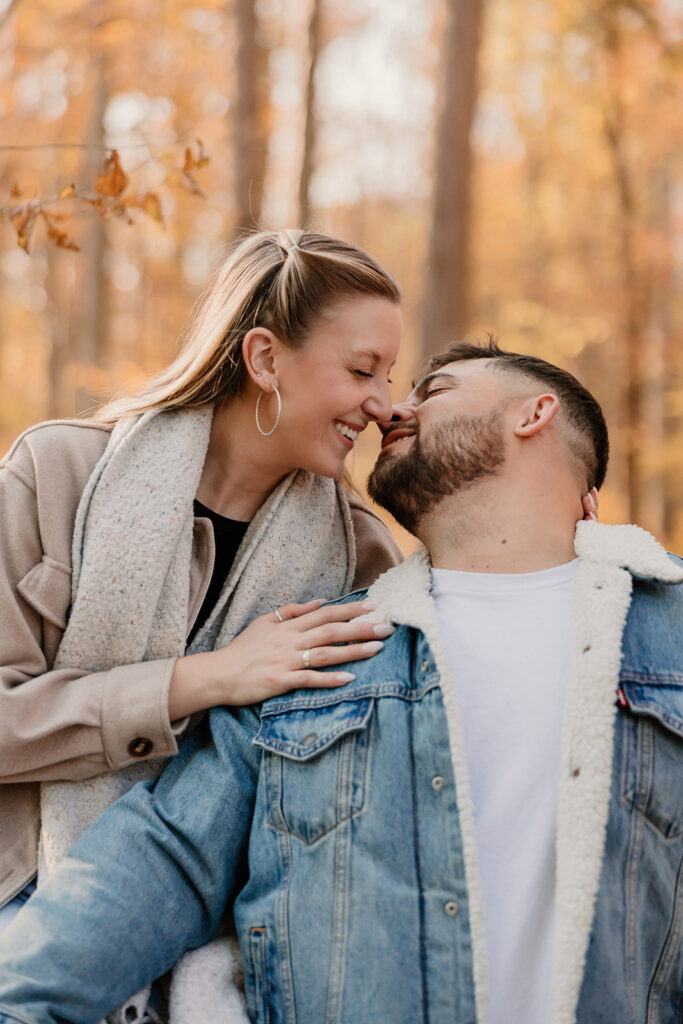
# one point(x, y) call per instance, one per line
point(450, 457)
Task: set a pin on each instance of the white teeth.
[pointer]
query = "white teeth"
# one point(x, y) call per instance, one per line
point(347, 431)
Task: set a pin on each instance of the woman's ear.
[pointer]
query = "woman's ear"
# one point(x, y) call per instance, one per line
point(258, 351)
point(536, 413)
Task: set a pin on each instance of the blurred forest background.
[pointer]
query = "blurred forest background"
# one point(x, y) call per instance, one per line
point(516, 165)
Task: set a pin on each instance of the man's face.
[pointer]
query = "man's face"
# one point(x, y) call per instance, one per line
point(448, 434)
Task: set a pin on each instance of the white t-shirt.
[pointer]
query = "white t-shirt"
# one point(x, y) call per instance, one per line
point(508, 638)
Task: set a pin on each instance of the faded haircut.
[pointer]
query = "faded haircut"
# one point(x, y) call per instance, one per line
point(587, 435)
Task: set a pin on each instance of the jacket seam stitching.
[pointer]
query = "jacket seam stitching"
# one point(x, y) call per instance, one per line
point(20, 475)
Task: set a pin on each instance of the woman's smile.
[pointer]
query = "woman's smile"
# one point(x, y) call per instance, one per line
point(349, 433)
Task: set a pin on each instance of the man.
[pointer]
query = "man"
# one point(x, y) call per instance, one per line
point(486, 824)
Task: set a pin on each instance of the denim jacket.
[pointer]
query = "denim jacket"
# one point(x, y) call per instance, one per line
point(340, 823)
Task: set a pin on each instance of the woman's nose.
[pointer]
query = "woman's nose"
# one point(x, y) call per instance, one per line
point(378, 405)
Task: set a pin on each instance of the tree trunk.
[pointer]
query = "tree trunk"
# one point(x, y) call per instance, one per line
point(250, 141)
point(634, 299)
point(59, 309)
point(446, 295)
point(314, 36)
point(91, 347)
point(656, 500)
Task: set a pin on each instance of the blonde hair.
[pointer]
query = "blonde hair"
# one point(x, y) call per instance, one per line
point(283, 281)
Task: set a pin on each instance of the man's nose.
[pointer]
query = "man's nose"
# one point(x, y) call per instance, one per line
point(401, 412)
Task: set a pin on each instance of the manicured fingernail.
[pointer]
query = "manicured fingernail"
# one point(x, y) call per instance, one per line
point(372, 647)
point(383, 629)
point(369, 605)
point(344, 677)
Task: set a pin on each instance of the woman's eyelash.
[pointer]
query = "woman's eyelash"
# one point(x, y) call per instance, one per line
point(364, 373)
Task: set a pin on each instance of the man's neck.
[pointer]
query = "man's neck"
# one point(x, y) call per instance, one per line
point(500, 531)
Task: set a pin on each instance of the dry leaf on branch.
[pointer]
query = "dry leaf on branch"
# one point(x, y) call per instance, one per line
point(188, 181)
point(23, 222)
point(150, 204)
point(192, 162)
point(98, 204)
point(112, 180)
point(119, 208)
point(56, 235)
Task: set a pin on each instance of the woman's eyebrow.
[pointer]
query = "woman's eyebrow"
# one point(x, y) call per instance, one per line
point(370, 354)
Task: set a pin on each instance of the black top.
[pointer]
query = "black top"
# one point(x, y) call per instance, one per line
point(227, 535)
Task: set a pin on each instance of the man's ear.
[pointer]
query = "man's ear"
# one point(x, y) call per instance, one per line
point(535, 414)
point(258, 351)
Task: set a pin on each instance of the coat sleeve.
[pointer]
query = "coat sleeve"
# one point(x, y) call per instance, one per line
point(65, 724)
point(376, 549)
point(148, 881)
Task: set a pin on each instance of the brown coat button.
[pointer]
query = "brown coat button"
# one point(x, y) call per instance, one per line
point(140, 747)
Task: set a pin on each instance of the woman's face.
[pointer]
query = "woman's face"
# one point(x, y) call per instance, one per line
point(336, 383)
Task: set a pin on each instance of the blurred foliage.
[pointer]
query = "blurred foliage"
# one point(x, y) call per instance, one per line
point(576, 244)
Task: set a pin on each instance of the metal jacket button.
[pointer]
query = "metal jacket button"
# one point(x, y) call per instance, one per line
point(438, 782)
point(140, 747)
point(451, 908)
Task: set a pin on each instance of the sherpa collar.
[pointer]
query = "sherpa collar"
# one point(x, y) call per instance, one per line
point(627, 547)
point(624, 546)
point(610, 556)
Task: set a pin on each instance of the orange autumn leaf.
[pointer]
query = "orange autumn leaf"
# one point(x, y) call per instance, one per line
point(23, 221)
point(98, 204)
point(67, 192)
point(55, 234)
point(112, 180)
point(150, 204)
point(192, 162)
point(60, 238)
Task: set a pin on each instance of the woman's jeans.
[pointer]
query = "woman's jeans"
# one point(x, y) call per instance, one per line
point(11, 909)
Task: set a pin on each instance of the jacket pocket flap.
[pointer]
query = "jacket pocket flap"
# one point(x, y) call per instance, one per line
point(47, 588)
point(660, 700)
point(302, 734)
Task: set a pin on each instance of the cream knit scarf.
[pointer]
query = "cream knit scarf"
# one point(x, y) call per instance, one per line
point(132, 547)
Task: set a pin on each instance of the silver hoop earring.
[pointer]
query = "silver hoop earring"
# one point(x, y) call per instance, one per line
point(267, 433)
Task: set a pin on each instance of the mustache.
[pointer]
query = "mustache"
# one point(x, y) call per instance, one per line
point(397, 430)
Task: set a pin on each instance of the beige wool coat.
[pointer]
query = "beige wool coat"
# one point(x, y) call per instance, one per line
point(70, 724)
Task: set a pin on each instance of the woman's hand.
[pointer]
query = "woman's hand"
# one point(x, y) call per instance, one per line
point(590, 505)
point(277, 652)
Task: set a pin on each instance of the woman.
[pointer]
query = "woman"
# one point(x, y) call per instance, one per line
point(150, 558)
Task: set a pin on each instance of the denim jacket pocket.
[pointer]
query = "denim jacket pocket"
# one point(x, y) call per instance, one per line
point(653, 781)
point(314, 765)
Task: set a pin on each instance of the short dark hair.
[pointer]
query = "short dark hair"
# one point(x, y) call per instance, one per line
point(581, 409)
